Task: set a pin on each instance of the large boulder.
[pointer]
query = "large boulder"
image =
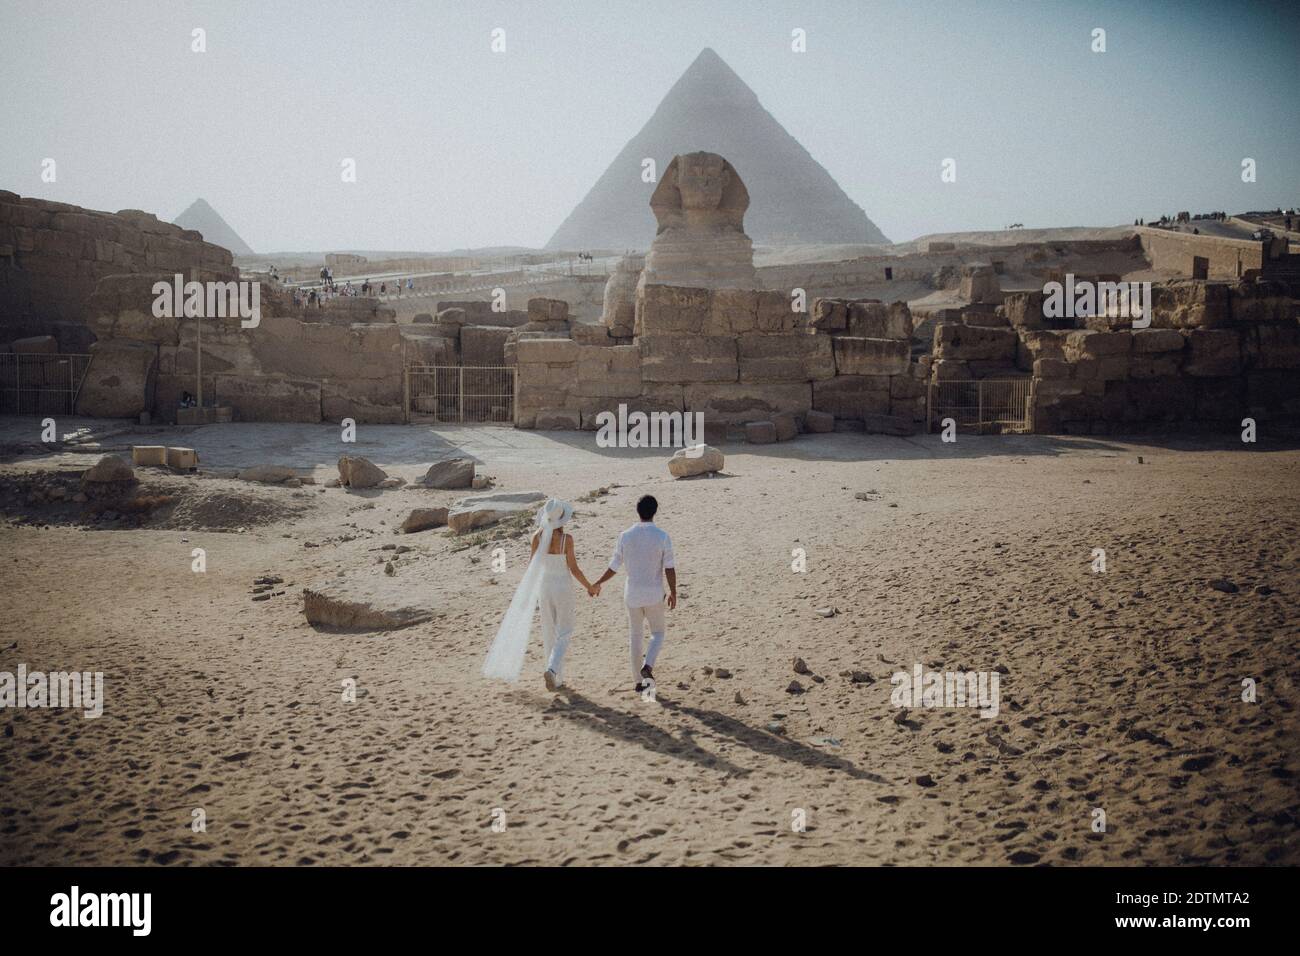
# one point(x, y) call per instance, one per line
point(120, 380)
point(478, 511)
point(422, 519)
point(358, 472)
point(818, 421)
point(695, 460)
point(760, 433)
point(787, 426)
point(450, 473)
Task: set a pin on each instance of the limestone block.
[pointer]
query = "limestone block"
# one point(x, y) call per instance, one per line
point(829, 315)
point(950, 370)
point(1273, 346)
point(760, 433)
point(1151, 341)
point(1212, 352)
point(665, 309)
point(787, 426)
point(906, 387)
point(182, 459)
point(864, 356)
point(120, 380)
point(1024, 310)
point(851, 396)
point(876, 320)
point(449, 473)
point(774, 313)
point(549, 350)
point(685, 359)
point(735, 403)
point(1096, 344)
point(1189, 304)
point(548, 310)
point(794, 356)
point(422, 519)
point(1262, 301)
point(695, 460)
point(478, 511)
point(953, 341)
point(482, 345)
point(584, 333)
point(818, 421)
point(149, 454)
point(1157, 365)
point(36, 345)
point(558, 419)
point(1051, 368)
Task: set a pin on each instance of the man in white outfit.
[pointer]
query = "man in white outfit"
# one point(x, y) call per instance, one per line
point(646, 551)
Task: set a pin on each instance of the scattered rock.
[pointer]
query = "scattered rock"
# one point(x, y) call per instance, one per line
point(722, 673)
point(1224, 585)
point(450, 473)
point(760, 433)
point(695, 460)
point(266, 474)
point(358, 472)
point(861, 677)
point(478, 511)
point(422, 519)
point(740, 699)
point(826, 612)
point(925, 780)
point(801, 666)
point(794, 687)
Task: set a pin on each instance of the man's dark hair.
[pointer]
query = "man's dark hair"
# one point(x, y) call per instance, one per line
point(647, 507)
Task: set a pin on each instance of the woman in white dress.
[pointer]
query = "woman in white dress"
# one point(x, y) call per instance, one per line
point(546, 587)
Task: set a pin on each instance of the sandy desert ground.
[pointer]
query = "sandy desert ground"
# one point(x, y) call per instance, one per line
point(1119, 691)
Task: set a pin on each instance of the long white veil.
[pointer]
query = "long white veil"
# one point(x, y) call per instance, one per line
point(505, 658)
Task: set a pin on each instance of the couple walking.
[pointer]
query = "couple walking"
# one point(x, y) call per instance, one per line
point(643, 550)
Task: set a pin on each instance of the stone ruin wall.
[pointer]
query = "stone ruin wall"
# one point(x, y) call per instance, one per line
point(1173, 252)
point(74, 280)
point(737, 356)
point(1215, 353)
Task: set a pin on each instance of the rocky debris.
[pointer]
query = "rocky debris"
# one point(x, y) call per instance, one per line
point(422, 519)
point(267, 474)
point(695, 460)
point(760, 433)
point(109, 469)
point(480, 482)
point(478, 511)
point(722, 673)
point(740, 699)
point(925, 780)
point(801, 666)
point(860, 677)
point(794, 687)
point(819, 422)
point(449, 473)
point(369, 602)
point(358, 472)
point(1224, 585)
point(392, 481)
point(826, 612)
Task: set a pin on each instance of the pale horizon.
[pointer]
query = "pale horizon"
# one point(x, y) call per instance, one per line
point(458, 147)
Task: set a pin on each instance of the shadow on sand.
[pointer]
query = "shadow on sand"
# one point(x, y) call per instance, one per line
point(630, 728)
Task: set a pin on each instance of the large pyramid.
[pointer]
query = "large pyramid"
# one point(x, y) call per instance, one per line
point(793, 199)
point(203, 218)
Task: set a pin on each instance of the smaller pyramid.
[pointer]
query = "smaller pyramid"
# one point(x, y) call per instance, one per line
point(204, 219)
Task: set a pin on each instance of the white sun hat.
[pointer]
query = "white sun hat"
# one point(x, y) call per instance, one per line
point(555, 513)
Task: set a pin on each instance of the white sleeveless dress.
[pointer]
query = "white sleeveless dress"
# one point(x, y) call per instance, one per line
point(556, 605)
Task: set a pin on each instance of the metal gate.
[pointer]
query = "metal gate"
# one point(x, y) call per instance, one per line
point(989, 406)
point(460, 393)
point(41, 384)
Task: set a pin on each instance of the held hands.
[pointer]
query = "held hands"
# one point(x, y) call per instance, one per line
point(593, 590)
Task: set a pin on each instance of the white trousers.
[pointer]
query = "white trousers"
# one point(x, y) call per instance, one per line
point(557, 611)
point(636, 620)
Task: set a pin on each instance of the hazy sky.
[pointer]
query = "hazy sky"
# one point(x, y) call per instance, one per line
point(458, 146)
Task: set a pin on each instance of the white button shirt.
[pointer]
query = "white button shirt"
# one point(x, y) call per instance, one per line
point(646, 551)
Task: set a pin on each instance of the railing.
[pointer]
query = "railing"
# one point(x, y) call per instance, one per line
point(985, 406)
point(460, 393)
point(41, 383)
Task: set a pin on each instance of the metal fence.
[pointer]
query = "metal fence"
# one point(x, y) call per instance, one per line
point(989, 406)
point(460, 393)
point(41, 384)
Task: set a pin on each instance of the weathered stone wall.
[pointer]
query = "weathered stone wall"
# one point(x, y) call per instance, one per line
point(737, 356)
point(52, 255)
point(1173, 252)
point(1214, 354)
